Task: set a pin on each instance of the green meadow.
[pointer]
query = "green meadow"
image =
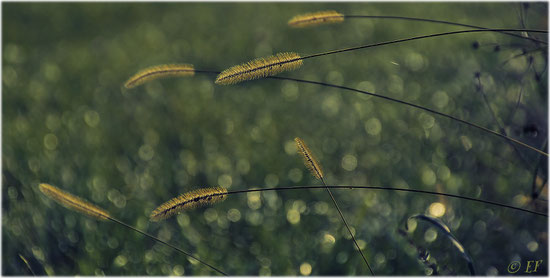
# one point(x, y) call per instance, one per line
point(68, 121)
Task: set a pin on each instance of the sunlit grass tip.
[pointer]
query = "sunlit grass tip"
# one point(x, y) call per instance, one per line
point(72, 202)
point(160, 71)
point(189, 200)
point(316, 18)
point(309, 160)
point(259, 68)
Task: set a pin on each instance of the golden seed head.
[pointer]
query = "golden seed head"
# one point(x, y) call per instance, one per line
point(72, 202)
point(316, 18)
point(160, 71)
point(189, 200)
point(259, 68)
point(309, 160)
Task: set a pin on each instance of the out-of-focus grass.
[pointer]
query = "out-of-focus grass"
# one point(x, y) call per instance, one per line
point(67, 122)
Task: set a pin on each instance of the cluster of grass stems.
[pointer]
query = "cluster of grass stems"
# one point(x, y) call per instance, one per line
point(267, 67)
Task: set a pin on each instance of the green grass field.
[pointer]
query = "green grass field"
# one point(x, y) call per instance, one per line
point(68, 121)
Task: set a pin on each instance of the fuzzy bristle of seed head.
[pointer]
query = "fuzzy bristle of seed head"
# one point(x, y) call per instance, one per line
point(72, 202)
point(316, 18)
point(259, 68)
point(309, 160)
point(160, 71)
point(193, 199)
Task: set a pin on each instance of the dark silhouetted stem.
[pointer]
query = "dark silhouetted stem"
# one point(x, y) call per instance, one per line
point(415, 106)
point(167, 244)
point(495, 119)
point(398, 101)
point(418, 38)
point(347, 227)
point(386, 188)
point(441, 22)
point(534, 192)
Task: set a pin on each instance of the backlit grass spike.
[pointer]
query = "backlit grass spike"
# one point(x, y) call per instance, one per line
point(309, 160)
point(259, 68)
point(72, 202)
point(316, 18)
point(196, 198)
point(160, 71)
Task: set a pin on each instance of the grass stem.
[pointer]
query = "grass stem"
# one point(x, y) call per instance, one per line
point(166, 243)
point(347, 226)
point(388, 188)
point(419, 38)
point(402, 102)
point(441, 22)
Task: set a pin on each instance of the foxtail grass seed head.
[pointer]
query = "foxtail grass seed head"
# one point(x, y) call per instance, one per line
point(309, 160)
point(316, 18)
point(72, 202)
point(189, 200)
point(160, 71)
point(259, 68)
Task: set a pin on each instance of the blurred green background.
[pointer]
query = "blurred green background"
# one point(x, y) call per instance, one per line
point(67, 122)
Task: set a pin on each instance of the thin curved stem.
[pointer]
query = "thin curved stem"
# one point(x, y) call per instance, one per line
point(534, 192)
point(520, 94)
point(293, 60)
point(522, 54)
point(386, 188)
point(415, 106)
point(347, 226)
point(418, 38)
point(167, 244)
point(441, 22)
point(398, 101)
point(479, 88)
